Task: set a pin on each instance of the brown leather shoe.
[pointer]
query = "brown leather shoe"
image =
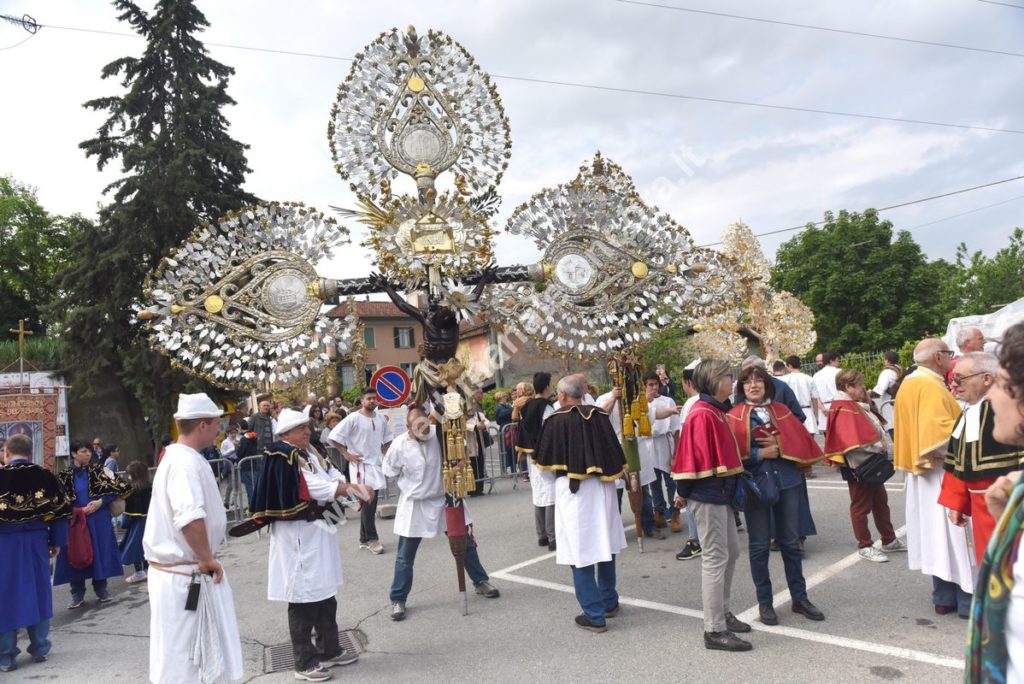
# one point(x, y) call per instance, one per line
point(675, 523)
point(659, 520)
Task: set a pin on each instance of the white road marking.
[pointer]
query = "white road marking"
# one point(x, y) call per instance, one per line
point(782, 597)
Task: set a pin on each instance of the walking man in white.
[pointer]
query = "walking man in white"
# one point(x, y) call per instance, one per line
point(184, 531)
point(806, 392)
point(825, 382)
point(415, 459)
point(362, 438)
point(304, 566)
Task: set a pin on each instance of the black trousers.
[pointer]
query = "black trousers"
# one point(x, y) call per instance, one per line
point(303, 619)
point(368, 521)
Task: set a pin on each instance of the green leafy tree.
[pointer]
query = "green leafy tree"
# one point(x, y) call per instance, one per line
point(34, 248)
point(180, 169)
point(985, 283)
point(867, 290)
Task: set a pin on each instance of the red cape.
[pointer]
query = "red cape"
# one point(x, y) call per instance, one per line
point(795, 443)
point(707, 447)
point(848, 428)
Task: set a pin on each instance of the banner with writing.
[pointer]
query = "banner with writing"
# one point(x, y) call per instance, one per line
point(35, 416)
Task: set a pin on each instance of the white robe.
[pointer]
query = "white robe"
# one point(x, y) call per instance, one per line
point(366, 437)
point(886, 379)
point(588, 526)
point(417, 467)
point(542, 482)
point(613, 416)
point(657, 450)
point(184, 490)
point(934, 545)
point(304, 564)
point(825, 383)
point(806, 390)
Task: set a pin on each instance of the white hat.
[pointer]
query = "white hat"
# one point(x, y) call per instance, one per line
point(290, 418)
point(196, 406)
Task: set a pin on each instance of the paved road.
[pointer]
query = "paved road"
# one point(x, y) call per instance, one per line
point(880, 626)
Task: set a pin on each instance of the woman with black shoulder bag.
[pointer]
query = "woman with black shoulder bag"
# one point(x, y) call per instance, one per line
point(857, 442)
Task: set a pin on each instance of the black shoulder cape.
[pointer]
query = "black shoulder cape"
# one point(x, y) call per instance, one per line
point(281, 492)
point(985, 458)
point(579, 441)
point(100, 483)
point(29, 492)
point(531, 418)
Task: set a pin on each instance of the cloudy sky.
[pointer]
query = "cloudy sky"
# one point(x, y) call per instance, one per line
point(706, 163)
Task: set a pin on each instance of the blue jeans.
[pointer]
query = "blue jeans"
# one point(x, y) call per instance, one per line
point(596, 596)
point(759, 532)
point(249, 477)
point(99, 586)
point(406, 556)
point(691, 525)
point(38, 643)
point(950, 594)
point(662, 501)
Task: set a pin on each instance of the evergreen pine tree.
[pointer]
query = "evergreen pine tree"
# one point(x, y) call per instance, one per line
point(180, 169)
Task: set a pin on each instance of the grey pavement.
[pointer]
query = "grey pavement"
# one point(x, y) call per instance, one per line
point(880, 626)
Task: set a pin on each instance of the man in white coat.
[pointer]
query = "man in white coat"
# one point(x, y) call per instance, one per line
point(825, 383)
point(415, 459)
point(184, 531)
point(588, 525)
point(304, 566)
point(362, 438)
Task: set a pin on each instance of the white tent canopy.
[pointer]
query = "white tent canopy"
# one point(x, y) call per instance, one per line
point(992, 325)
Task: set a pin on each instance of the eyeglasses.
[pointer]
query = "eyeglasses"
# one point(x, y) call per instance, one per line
point(959, 379)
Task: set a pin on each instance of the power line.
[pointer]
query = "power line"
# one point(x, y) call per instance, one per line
point(968, 212)
point(1004, 4)
point(893, 206)
point(791, 24)
point(614, 89)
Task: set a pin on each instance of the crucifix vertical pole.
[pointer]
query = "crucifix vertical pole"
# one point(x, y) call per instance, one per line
point(21, 332)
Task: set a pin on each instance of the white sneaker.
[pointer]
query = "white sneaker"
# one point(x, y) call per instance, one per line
point(872, 554)
point(376, 547)
point(895, 546)
point(364, 546)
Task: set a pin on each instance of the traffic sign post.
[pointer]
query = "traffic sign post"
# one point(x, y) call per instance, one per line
point(392, 386)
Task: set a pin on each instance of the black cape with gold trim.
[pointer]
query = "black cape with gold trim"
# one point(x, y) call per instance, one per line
point(985, 458)
point(579, 441)
point(30, 492)
point(281, 492)
point(100, 483)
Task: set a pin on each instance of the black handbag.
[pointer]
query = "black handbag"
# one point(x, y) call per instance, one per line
point(875, 470)
point(761, 487)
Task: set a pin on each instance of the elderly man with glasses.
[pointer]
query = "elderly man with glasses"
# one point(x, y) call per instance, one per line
point(975, 459)
point(925, 414)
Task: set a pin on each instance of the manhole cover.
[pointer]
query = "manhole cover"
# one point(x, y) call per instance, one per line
point(279, 657)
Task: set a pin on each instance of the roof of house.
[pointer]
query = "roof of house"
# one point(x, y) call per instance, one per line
point(368, 310)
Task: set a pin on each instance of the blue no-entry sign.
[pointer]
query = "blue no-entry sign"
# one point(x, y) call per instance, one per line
point(391, 385)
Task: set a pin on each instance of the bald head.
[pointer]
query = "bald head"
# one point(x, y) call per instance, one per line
point(970, 340)
point(933, 354)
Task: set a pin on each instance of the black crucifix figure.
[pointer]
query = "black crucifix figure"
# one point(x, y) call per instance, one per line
point(437, 379)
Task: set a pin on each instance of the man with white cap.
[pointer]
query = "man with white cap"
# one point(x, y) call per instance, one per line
point(297, 492)
point(189, 596)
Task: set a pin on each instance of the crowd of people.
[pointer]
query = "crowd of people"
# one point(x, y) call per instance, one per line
point(743, 442)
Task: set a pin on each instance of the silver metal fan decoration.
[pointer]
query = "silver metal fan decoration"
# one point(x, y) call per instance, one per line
point(418, 105)
point(615, 268)
point(239, 302)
